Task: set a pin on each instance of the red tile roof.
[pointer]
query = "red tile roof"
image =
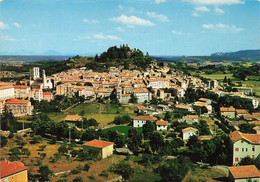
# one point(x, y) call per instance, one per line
point(8, 168)
point(141, 107)
point(72, 117)
point(151, 118)
point(241, 111)
point(204, 99)
point(189, 128)
point(162, 122)
point(5, 87)
point(98, 143)
point(227, 109)
point(252, 138)
point(141, 90)
point(21, 86)
point(47, 93)
point(249, 171)
point(16, 101)
point(193, 116)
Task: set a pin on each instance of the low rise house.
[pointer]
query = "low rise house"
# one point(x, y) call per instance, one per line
point(241, 112)
point(142, 109)
point(205, 100)
point(139, 121)
point(187, 132)
point(178, 92)
point(125, 98)
point(229, 112)
point(243, 173)
point(161, 125)
point(13, 171)
point(191, 118)
point(244, 145)
point(106, 148)
point(244, 90)
point(183, 108)
point(72, 119)
point(47, 96)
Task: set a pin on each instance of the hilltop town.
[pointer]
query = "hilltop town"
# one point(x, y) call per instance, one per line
point(121, 114)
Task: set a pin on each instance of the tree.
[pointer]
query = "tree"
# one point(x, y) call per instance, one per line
point(133, 140)
point(78, 179)
point(133, 99)
point(86, 167)
point(42, 147)
point(62, 149)
point(156, 141)
point(225, 79)
point(123, 169)
point(3, 141)
point(246, 161)
point(45, 172)
point(148, 129)
point(203, 110)
point(174, 169)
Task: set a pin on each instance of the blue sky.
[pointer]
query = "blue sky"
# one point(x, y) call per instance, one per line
point(160, 27)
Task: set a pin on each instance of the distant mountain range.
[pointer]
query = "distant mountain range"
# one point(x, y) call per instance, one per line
point(239, 54)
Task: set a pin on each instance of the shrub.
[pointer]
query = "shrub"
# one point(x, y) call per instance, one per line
point(78, 179)
point(86, 167)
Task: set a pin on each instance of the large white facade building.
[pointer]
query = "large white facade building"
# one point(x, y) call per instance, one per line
point(6, 92)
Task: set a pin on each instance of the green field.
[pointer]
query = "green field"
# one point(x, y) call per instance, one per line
point(122, 129)
point(252, 82)
point(103, 113)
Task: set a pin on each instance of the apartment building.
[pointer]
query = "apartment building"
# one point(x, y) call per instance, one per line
point(6, 92)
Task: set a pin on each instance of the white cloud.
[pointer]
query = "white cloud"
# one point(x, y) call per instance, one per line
point(120, 7)
point(132, 20)
point(202, 9)
point(106, 37)
point(208, 26)
point(85, 20)
point(7, 38)
point(119, 29)
point(17, 25)
point(179, 32)
point(214, 2)
point(159, 1)
point(219, 11)
point(223, 27)
point(195, 14)
point(3, 25)
point(159, 17)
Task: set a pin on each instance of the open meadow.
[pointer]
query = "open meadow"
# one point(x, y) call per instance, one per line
point(103, 113)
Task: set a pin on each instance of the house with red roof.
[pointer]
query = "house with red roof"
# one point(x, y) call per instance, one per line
point(13, 171)
point(106, 148)
point(161, 125)
point(21, 91)
point(19, 107)
point(229, 112)
point(139, 121)
point(244, 145)
point(47, 96)
point(243, 173)
point(188, 132)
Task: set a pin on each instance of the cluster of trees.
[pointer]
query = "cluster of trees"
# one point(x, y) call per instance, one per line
point(122, 120)
point(120, 56)
point(214, 151)
point(59, 103)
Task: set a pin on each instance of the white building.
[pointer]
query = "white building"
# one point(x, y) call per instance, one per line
point(161, 125)
point(139, 121)
point(244, 145)
point(187, 132)
point(158, 83)
point(142, 94)
point(6, 92)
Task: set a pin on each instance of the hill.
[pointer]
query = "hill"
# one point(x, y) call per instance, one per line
point(239, 54)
